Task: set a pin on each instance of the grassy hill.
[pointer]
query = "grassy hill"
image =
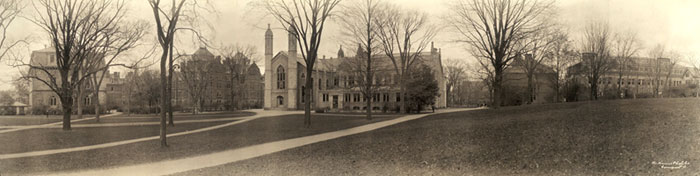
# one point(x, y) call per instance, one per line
point(621, 137)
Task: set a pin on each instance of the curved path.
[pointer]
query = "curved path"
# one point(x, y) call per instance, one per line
point(233, 155)
point(259, 114)
point(26, 127)
point(117, 124)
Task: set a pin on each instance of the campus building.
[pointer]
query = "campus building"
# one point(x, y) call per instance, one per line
point(335, 88)
point(515, 80)
point(643, 77)
point(41, 96)
point(218, 83)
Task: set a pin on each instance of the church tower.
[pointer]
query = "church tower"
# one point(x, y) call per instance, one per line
point(292, 78)
point(268, 69)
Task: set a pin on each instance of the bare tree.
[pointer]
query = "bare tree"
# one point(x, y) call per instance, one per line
point(359, 21)
point(562, 56)
point(538, 47)
point(658, 64)
point(626, 45)
point(494, 29)
point(195, 74)
point(237, 60)
point(408, 33)
point(456, 75)
point(171, 18)
point(9, 11)
point(121, 39)
point(77, 29)
point(306, 20)
point(596, 58)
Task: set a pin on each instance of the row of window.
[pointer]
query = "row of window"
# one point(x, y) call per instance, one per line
point(349, 80)
point(53, 101)
point(377, 97)
point(638, 82)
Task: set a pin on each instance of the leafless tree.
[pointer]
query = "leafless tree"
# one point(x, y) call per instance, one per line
point(538, 47)
point(562, 56)
point(408, 33)
point(171, 18)
point(596, 59)
point(237, 60)
point(359, 21)
point(456, 75)
point(661, 66)
point(121, 40)
point(9, 11)
point(195, 74)
point(306, 20)
point(626, 45)
point(494, 29)
point(77, 29)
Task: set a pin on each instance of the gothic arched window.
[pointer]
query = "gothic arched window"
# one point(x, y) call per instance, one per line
point(281, 78)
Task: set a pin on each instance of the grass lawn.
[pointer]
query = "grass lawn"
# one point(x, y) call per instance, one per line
point(56, 138)
point(28, 120)
point(587, 138)
point(156, 118)
point(257, 131)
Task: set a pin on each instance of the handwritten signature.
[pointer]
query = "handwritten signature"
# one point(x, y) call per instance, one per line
point(672, 165)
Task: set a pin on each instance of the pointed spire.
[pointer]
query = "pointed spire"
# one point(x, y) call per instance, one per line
point(341, 54)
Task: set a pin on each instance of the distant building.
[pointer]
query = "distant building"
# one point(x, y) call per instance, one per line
point(41, 96)
point(218, 82)
point(515, 82)
point(643, 77)
point(334, 89)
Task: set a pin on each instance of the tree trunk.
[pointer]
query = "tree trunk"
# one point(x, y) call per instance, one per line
point(402, 93)
point(96, 103)
point(80, 102)
point(307, 98)
point(163, 97)
point(594, 90)
point(369, 109)
point(67, 103)
point(497, 87)
point(530, 88)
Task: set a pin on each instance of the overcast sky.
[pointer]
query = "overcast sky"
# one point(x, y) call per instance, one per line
point(673, 23)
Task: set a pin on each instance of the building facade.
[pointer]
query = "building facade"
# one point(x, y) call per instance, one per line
point(333, 88)
point(41, 96)
point(212, 83)
point(641, 77)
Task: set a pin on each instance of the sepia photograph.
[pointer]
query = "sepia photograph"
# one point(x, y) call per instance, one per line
point(349, 87)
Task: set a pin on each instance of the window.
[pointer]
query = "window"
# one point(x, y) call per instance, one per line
point(375, 97)
point(86, 100)
point(325, 97)
point(319, 84)
point(398, 97)
point(280, 100)
point(356, 97)
point(385, 97)
point(52, 58)
point(328, 83)
point(336, 82)
point(281, 78)
point(351, 81)
point(346, 97)
point(52, 101)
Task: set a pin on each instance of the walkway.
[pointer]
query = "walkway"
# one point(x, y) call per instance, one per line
point(26, 127)
point(259, 114)
point(120, 124)
point(233, 155)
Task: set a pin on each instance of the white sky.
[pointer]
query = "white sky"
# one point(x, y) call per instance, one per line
point(673, 23)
